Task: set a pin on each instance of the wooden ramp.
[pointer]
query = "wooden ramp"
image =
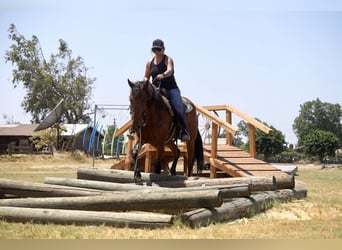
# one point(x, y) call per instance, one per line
point(225, 160)
point(238, 163)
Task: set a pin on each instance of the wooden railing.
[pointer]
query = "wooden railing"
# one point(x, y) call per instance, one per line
point(218, 122)
point(252, 124)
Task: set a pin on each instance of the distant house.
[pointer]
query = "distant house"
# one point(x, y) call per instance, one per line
point(16, 135)
point(72, 137)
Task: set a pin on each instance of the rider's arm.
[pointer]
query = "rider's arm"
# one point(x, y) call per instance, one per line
point(169, 67)
point(147, 71)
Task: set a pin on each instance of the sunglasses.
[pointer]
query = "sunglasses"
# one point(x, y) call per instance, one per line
point(156, 49)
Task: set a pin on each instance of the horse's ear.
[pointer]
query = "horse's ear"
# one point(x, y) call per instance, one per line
point(147, 87)
point(131, 84)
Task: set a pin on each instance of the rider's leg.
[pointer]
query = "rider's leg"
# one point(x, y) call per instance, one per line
point(177, 104)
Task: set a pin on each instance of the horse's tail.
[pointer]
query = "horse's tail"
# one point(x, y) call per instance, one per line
point(199, 151)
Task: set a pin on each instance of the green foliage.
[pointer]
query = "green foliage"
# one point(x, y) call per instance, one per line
point(266, 145)
point(44, 137)
point(48, 81)
point(320, 143)
point(287, 156)
point(320, 115)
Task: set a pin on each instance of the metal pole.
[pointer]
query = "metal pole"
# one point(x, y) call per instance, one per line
point(95, 135)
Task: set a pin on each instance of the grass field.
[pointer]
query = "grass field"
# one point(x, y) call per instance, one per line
point(319, 216)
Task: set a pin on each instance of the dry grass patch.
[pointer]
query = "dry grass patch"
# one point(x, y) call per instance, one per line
point(317, 217)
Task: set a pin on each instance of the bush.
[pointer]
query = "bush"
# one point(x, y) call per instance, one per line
point(78, 156)
point(287, 156)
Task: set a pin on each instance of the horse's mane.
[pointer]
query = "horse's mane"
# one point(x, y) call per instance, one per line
point(156, 96)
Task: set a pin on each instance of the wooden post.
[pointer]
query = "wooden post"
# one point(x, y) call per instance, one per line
point(148, 160)
point(214, 132)
point(128, 154)
point(212, 168)
point(251, 137)
point(229, 138)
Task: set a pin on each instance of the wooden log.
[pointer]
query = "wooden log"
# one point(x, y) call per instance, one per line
point(285, 181)
point(122, 202)
point(232, 191)
point(122, 176)
point(33, 189)
point(256, 183)
point(78, 217)
point(228, 191)
point(240, 207)
point(98, 185)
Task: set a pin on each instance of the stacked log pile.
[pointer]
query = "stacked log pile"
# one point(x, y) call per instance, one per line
point(107, 196)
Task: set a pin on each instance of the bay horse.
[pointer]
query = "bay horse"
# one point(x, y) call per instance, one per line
point(154, 122)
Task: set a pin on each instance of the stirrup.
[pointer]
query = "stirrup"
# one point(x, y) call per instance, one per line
point(185, 136)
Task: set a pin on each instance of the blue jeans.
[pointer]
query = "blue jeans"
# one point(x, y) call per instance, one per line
point(177, 103)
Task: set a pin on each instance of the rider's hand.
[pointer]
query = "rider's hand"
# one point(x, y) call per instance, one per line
point(160, 77)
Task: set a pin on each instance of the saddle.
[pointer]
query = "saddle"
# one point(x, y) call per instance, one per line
point(188, 107)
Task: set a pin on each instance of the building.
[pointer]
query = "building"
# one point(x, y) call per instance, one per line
point(72, 137)
point(16, 136)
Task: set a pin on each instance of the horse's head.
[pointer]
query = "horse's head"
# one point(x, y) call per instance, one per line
point(141, 93)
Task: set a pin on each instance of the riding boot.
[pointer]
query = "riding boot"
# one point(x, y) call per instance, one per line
point(130, 134)
point(184, 134)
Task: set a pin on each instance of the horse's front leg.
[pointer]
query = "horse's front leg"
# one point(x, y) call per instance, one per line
point(176, 154)
point(137, 174)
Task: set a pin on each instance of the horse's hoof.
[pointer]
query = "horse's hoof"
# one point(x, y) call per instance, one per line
point(138, 180)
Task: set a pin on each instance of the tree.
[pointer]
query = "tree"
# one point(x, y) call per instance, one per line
point(267, 145)
point(320, 115)
point(48, 81)
point(320, 143)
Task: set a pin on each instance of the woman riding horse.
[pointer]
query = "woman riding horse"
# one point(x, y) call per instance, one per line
point(161, 69)
point(153, 120)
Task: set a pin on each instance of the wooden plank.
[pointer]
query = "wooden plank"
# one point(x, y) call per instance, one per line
point(252, 167)
point(228, 127)
point(259, 173)
point(239, 160)
point(250, 119)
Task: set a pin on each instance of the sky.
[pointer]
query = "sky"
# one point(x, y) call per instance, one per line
point(264, 57)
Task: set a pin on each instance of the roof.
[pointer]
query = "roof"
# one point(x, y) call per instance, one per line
point(73, 129)
point(29, 129)
point(17, 129)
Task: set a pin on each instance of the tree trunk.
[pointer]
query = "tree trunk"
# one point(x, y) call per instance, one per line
point(77, 217)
